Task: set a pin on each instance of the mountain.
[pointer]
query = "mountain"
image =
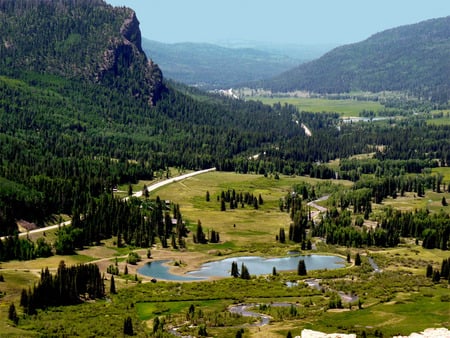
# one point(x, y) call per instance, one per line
point(211, 66)
point(87, 40)
point(413, 58)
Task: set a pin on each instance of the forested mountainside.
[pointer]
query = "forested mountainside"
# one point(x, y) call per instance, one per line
point(87, 40)
point(209, 66)
point(413, 58)
point(75, 118)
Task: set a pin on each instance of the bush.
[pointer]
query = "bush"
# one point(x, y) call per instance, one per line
point(133, 258)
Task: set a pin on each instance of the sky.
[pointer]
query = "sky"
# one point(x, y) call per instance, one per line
point(277, 21)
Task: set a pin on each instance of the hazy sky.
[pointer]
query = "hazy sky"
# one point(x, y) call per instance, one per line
point(283, 21)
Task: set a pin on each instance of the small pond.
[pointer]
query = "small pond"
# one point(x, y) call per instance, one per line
point(256, 266)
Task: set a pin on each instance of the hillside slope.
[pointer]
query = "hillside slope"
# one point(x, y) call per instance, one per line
point(413, 58)
point(214, 67)
point(86, 40)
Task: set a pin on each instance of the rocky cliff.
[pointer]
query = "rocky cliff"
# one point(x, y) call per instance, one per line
point(85, 39)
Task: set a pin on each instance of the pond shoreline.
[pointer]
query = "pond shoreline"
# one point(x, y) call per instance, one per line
point(220, 268)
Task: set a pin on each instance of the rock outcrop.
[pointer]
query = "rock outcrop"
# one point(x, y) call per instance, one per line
point(86, 40)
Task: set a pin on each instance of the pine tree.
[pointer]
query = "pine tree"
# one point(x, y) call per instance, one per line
point(282, 236)
point(429, 271)
point(244, 272)
point(223, 207)
point(128, 326)
point(358, 260)
point(234, 269)
point(156, 324)
point(12, 314)
point(112, 288)
point(202, 330)
point(301, 268)
point(436, 276)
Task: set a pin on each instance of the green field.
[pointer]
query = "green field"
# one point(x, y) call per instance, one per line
point(439, 117)
point(345, 108)
point(398, 301)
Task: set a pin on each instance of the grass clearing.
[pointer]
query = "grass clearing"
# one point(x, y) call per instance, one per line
point(445, 171)
point(402, 316)
point(345, 108)
point(50, 262)
point(410, 202)
point(244, 227)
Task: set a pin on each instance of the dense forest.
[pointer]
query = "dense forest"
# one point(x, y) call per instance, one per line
point(411, 58)
point(67, 136)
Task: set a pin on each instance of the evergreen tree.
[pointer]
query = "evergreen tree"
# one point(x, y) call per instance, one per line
point(358, 260)
point(112, 288)
point(12, 314)
point(301, 268)
point(436, 276)
point(429, 271)
point(128, 326)
point(202, 330)
point(234, 269)
point(245, 274)
point(223, 207)
point(199, 234)
point(207, 196)
point(282, 236)
point(156, 324)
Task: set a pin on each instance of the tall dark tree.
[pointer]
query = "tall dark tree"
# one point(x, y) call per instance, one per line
point(128, 326)
point(12, 314)
point(301, 268)
point(234, 269)
point(112, 287)
point(245, 274)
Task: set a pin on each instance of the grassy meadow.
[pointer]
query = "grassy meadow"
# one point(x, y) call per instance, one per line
point(345, 108)
point(398, 301)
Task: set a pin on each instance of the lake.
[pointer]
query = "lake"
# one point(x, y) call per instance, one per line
point(255, 265)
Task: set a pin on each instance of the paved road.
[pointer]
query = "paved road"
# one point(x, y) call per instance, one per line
point(137, 194)
point(171, 180)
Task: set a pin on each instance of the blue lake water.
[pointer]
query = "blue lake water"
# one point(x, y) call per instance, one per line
point(256, 266)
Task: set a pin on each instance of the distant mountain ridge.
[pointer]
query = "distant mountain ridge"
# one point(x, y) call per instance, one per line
point(88, 40)
point(414, 58)
point(210, 66)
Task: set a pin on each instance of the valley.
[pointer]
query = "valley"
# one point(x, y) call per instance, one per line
point(313, 197)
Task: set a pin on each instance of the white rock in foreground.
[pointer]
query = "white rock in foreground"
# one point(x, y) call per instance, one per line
point(316, 334)
point(429, 333)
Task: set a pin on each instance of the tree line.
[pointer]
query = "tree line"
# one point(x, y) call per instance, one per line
point(69, 286)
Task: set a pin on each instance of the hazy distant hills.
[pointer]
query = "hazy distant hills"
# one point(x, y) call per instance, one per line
point(211, 66)
point(413, 58)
